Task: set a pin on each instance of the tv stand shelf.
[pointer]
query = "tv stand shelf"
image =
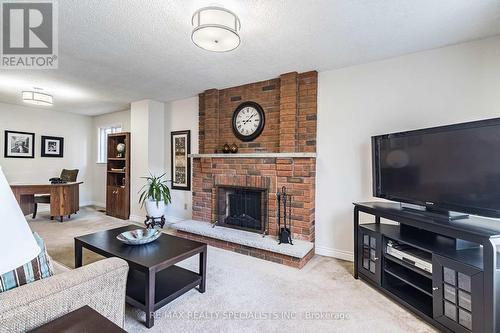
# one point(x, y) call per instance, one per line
point(461, 294)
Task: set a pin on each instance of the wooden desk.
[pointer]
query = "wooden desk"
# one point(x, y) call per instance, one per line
point(64, 198)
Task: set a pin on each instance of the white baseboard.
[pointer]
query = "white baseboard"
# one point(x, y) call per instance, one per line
point(92, 203)
point(329, 252)
point(97, 204)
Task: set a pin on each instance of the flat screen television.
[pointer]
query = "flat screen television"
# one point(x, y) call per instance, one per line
point(447, 168)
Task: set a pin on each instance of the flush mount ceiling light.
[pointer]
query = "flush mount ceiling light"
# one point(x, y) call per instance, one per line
point(37, 98)
point(215, 29)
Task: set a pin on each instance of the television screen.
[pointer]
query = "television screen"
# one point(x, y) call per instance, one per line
point(454, 167)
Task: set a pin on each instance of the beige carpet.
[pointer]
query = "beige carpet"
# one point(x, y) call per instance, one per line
point(245, 294)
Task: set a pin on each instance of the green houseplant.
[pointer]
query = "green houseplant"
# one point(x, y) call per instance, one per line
point(155, 195)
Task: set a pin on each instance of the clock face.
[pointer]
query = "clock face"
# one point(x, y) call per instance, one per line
point(248, 121)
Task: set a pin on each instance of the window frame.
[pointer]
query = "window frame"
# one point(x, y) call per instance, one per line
point(102, 141)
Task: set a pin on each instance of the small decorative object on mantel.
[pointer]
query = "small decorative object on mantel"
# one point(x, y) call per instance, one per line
point(120, 148)
point(155, 194)
point(284, 233)
point(52, 146)
point(139, 236)
point(234, 148)
point(226, 149)
point(181, 163)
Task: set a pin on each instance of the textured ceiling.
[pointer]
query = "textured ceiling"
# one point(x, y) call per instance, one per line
point(112, 52)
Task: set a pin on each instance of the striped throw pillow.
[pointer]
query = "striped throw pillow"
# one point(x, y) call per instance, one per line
point(38, 268)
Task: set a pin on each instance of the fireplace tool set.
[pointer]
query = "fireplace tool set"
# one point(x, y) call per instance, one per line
point(285, 232)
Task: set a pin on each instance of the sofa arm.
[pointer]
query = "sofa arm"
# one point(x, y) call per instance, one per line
point(100, 285)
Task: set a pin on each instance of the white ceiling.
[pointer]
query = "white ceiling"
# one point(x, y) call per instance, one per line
point(112, 52)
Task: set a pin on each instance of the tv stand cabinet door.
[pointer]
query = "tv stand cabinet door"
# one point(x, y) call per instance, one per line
point(457, 295)
point(369, 253)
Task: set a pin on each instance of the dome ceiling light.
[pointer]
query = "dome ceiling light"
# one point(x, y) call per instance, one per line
point(215, 29)
point(37, 97)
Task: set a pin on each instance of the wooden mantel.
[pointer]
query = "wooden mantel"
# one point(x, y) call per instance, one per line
point(255, 155)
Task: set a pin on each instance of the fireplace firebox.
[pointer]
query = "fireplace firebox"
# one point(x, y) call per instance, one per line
point(242, 208)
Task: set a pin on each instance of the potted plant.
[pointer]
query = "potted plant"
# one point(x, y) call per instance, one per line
point(155, 194)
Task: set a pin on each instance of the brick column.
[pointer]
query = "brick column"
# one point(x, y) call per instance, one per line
point(201, 123)
point(307, 110)
point(288, 112)
point(209, 121)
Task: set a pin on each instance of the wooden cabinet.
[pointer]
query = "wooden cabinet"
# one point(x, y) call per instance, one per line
point(448, 272)
point(118, 177)
point(457, 295)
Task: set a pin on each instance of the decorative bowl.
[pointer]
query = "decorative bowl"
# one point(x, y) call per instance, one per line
point(139, 236)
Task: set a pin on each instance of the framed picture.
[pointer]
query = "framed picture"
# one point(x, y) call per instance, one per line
point(52, 146)
point(181, 163)
point(19, 144)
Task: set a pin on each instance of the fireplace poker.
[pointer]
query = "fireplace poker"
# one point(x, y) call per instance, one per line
point(284, 232)
point(290, 218)
point(278, 212)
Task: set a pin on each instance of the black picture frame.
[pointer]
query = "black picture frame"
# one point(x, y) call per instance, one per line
point(9, 149)
point(47, 142)
point(258, 131)
point(181, 180)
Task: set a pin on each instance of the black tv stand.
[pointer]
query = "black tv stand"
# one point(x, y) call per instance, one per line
point(461, 294)
point(436, 213)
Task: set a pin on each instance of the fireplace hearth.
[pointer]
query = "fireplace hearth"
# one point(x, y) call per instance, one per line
point(242, 208)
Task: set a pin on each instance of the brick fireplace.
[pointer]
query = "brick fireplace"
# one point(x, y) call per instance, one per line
point(297, 174)
point(283, 155)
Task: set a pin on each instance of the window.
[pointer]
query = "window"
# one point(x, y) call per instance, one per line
point(102, 150)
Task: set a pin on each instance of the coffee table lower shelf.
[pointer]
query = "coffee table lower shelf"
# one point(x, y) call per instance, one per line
point(170, 283)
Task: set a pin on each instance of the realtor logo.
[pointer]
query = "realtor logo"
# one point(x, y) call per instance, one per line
point(29, 39)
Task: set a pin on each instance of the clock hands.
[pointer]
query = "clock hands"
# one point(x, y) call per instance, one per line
point(246, 121)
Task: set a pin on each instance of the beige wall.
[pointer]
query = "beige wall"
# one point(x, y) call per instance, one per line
point(180, 115)
point(148, 148)
point(437, 87)
point(76, 131)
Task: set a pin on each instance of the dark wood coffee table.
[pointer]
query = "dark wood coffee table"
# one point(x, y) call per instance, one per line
point(83, 320)
point(153, 279)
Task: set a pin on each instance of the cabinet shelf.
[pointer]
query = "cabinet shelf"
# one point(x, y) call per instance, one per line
point(408, 294)
point(408, 266)
point(116, 159)
point(418, 281)
point(429, 242)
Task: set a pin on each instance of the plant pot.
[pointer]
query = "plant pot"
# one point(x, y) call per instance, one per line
point(154, 210)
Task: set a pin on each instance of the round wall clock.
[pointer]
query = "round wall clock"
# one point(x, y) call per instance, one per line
point(248, 121)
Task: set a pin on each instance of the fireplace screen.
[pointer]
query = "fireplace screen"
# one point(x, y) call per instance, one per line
point(242, 208)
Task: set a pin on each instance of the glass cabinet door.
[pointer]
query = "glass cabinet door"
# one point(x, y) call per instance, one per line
point(369, 251)
point(457, 294)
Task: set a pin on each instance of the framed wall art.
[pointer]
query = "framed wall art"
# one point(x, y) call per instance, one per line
point(181, 162)
point(19, 144)
point(52, 146)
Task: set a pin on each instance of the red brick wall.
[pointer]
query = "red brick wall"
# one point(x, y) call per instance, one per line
point(290, 106)
point(297, 174)
point(307, 112)
point(289, 103)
